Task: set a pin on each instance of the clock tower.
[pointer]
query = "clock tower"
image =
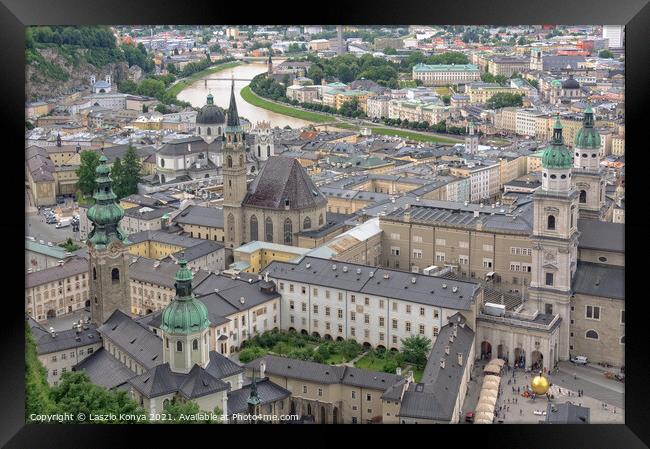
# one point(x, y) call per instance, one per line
point(555, 236)
point(107, 248)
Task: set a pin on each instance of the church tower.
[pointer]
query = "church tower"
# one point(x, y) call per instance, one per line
point(471, 141)
point(263, 147)
point(234, 177)
point(588, 177)
point(555, 237)
point(108, 253)
point(536, 61)
point(184, 326)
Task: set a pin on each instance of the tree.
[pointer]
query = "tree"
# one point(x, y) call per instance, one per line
point(315, 72)
point(117, 175)
point(130, 175)
point(86, 172)
point(605, 54)
point(501, 79)
point(446, 99)
point(487, 77)
point(127, 87)
point(504, 99)
point(251, 353)
point(171, 68)
point(37, 391)
point(152, 88)
point(181, 413)
point(76, 394)
point(416, 350)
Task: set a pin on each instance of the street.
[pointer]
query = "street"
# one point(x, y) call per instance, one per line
point(37, 228)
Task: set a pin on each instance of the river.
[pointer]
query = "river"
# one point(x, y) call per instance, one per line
point(197, 92)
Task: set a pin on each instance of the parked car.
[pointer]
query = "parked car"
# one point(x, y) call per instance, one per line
point(580, 360)
point(469, 417)
point(51, 220)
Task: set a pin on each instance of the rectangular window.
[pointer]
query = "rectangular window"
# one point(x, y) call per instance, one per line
point(381, 303)
point(394, 250)
point(549, 279)
point(303, 289)
point(487, 263)
point(340, 313)
point(548, 309)
point(366, 318)
point(354, 394)
point(315, 323)
point(422, 329)
point(291, 288)
point(327, 311)
point(440, 257)
point(441, 242)
point(340, 296)
point(394, 236)
point(340, 328)
point(352, 331)
point(353, 316)
point(320, 392)
point(291, 305)
point(366, 333)
point(327, 325)
point(421, 311)
point(394, 306)
point(463, 244)
point(381, 321)
point(291, 319)
point(593, 312)
point(315, 291)
point(327, 294)
point(435, 331)
point(395, 339)
point(408, 326)
point(366, 301)
point(487, 247)
point(417, 254)
point(417, 238)
point(304, 389)
point(622, 316)
point(408, 308)
point(281, 286)
point(463, 260)
point(304, 306)
point(381, 336)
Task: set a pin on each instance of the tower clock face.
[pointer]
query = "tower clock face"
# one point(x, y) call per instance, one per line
point(113, 248)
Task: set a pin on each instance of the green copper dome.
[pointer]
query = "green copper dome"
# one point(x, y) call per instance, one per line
point(588, 136)
point(557, 155)
point(556, 83)
point(184, 314)
point(106, 213)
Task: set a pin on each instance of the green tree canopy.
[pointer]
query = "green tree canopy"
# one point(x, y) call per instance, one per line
point(504, 99)
point(416, 350)
point(605, 54)
point(86, 172)
point(181, 413)
point(131, 172)
point(37, 391)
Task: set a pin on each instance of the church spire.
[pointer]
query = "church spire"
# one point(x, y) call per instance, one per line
point(233, 116)
point(253, 398)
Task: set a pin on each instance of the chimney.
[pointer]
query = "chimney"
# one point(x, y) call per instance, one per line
point(460, 358)
point(262, 369)
point(451, 338)
point(455, 330)
point(407, 217)
point(398, 371)
point(447, 349)
point(442, 363)
point(52, 332)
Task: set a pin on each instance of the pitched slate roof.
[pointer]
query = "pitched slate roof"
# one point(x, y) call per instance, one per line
point(201, 216)
point(283, 179)
point(435, 396)
point(180, 147)
point(63, 340)
point(567, 413)
point(105, 370)
point(134, 338)
point(221, 366)
point(199, 382)
point(267, 391)
point(325, 374)
point(159, 272)
point(71, 267)
point(607, 281)
point(601, 235)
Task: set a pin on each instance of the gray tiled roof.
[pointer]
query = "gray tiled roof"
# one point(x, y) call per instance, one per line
point(325, 374)
point(221, 366)
point(283, 179)
point(199, 382)
point(105, 370)
point(134, 338)
point(200, 250)
point(435, 396)
point(607, 281)
point(201, 216)
point(566, 413)
point(179, 147)
point(145, 270)
point(137, 212)
point(426, 289)
point(63, 340)
point(267, 391)
point(602, 235)
point(71, 267)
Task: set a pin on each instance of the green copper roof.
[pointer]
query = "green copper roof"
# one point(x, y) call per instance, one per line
point(588, 136)
point(557, 155)
point(106, 213)
point(556, 83)
point(184, 314)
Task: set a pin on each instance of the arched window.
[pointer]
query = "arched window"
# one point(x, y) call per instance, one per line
point(162, 162)
point(259, 151)
point(268, 150)
point(623, 340)
point(231, 227)
point(253, 226)
point(306, 224)
point(115, 275)
point(229, 161)
point(209, 131)
point(241, 160)
point(592, 334)
point(179, 346)
point(195, 345)
point(551, 222)
point(220, 130)
point(199, 130)
point(320, 220)
point(288, 232)
point(268, 229)
point(94, 274)
point(572, 213)
point(583, 196)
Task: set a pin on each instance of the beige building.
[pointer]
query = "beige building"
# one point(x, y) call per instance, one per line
point(57, 291)
point(507, 66)
point(446, 74)
point(482, 92)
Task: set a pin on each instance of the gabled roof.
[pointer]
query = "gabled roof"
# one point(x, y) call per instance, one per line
point(283, 179)
point(607, 281)
point(105, 370)
point(601, 235)
point(267, 391)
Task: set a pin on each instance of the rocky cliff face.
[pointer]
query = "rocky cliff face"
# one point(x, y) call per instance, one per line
point(42, 85)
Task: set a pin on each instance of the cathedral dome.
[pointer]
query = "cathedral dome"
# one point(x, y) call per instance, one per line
point(570, 83)
point(210, 114)
point(557, 155)
point(184, 314)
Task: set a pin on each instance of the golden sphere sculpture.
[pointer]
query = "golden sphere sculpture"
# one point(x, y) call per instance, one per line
point(540, 385)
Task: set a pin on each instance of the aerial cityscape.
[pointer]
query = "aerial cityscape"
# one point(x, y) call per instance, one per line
point(325, 224)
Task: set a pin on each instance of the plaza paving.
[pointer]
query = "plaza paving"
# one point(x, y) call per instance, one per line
point(564, 389)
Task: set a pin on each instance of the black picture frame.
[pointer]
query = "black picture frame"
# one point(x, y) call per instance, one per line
point(635, 14)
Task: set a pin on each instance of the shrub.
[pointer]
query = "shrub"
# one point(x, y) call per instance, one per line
point(251, 353)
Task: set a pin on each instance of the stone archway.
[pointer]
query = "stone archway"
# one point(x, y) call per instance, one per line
point(317, 335)
point(339, 338)
point(304, 332)
point(323, 415)
point(520, 358)
point(335, 415)
point(327, 337)
point(486, 350)
point(51, 313)
point(366, 345)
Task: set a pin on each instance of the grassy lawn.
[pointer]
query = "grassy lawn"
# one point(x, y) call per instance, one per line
point(411, 135)
point(443, 90)
point(377, 361)
point(250, 97)
point(407, 83)
point(176, 88)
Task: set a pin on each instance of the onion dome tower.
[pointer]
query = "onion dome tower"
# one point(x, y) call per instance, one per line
point(556, 162)
point(588, 178)
point(184, 325)
point(107, 249)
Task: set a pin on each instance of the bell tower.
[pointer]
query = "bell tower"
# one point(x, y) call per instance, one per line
point(555, 236)
point(588, 177)
point(234, 177)
point(107, 249)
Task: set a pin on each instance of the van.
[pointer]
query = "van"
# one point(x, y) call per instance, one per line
point(580, 360)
